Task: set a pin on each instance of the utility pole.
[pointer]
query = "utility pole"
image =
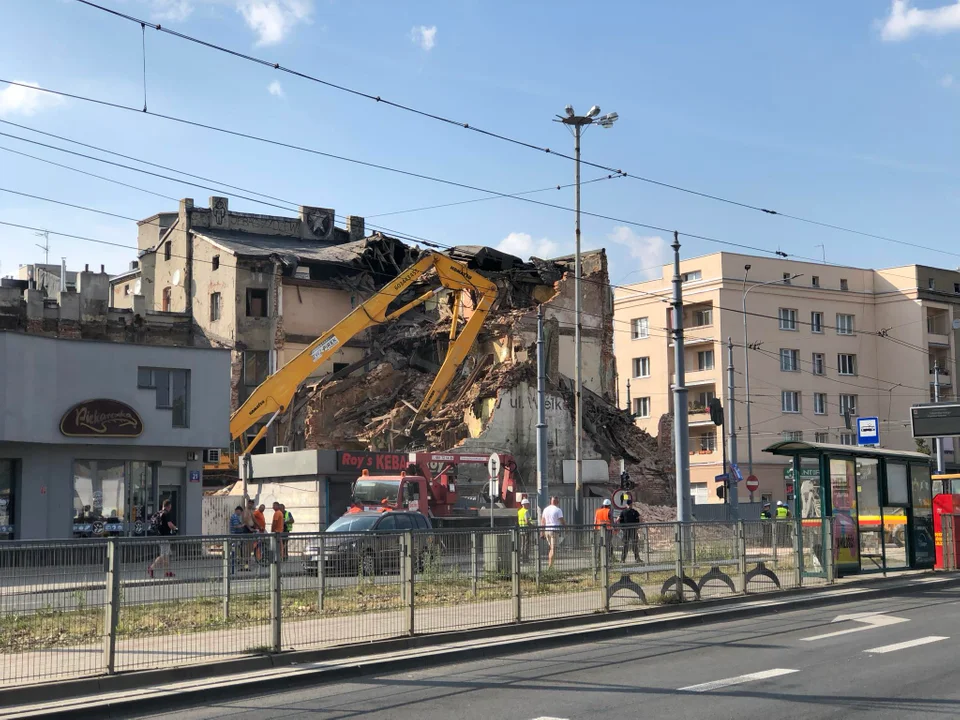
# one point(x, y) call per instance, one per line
point(936, 398)
point(680, 424)
point(732, 424)
point(578, 123)
point(543, 488)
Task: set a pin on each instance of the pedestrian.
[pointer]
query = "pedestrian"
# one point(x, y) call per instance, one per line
point(604, 525)
point(355, 507)
point(276, 526)
point(782, 511)
point(260, 519)
point(629, 519)
point(524, 518)
point(287, 528)
point(765, 513)
point(236, 528)
point(165, 528)
point(552, 521)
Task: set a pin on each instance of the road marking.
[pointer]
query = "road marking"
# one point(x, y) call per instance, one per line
point(908, 644)
point(739, 680)
point(869, 620)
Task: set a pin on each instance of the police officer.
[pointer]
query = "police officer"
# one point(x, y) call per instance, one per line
point(765, 513)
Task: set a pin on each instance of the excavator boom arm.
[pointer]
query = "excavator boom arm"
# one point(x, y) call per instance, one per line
point(275, 394)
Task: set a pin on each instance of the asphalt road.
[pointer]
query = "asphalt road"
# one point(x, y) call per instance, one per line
point(800, 664)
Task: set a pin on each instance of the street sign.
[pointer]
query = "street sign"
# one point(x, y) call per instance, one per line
point(722, 477)
point(735, 471)
point(868, 431)
point(493, 465)
point(619, 499)
point(937, 420)
point(752, 484)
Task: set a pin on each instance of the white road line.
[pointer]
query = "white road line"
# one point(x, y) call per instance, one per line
point(739, 680)
point(908, 644)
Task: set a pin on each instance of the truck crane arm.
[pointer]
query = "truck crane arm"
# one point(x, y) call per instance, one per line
point(275, 394)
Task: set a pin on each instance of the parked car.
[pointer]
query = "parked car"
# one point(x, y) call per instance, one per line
point(368, 543)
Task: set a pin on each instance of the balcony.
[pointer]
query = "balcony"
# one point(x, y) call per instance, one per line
point(944, 375)
point(703, 450)
point(938, 327)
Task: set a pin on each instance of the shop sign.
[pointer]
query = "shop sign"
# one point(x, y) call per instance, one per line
point(372, 461)
point(101, 418)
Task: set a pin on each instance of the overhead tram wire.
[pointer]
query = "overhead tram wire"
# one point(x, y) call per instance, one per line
point(380, 100)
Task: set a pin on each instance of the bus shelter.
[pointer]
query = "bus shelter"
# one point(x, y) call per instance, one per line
point(881, 502)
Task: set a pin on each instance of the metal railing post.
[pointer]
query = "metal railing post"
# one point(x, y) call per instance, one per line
point(538, 569)
point(797, 552)
point(408, 582)
point(515, 573)
point(321, 572)
point(111, 607)
point(742, 554)
point(276, 598)
point(475, 560)
point(605, 567)
point(830, 569)
point(646, 545)
point(775, 527)
point(227, 567)
point(680, 551)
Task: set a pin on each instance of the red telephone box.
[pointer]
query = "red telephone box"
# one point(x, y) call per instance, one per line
point(946, 505)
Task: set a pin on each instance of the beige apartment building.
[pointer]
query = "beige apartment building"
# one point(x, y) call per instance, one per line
point(824, 342)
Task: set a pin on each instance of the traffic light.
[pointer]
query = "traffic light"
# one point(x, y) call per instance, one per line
point(721, 491)
point(625, 482)
point(716, 412)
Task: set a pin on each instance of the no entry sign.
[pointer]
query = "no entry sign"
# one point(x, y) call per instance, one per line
point(752, 483)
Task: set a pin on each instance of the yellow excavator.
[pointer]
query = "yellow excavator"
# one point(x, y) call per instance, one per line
point(276, 393)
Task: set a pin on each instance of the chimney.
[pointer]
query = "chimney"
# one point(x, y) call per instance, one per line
point(355, 226)
point(102, 270)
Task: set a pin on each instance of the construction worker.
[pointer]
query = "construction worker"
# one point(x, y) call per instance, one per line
point(355, 507)
point(783, 530)
point(604, 525)
point(782, 512)
point(524, 520)
point(276, 526)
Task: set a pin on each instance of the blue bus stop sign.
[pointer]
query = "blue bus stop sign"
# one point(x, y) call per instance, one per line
point(868, 431)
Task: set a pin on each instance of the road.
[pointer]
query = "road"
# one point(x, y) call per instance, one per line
point(894, 665)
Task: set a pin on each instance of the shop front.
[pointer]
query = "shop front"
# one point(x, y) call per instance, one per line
point(880, 500)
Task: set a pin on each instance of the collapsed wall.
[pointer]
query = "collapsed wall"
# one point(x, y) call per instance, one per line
point(492, 403)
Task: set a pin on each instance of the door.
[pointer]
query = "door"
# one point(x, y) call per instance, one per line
point(869, 517)
point(896, 500)
point(171, 488)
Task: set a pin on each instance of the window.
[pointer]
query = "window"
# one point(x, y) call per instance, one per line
point(256, 302)
point(214, 306)
point(789, 360)
point(788, 319)
point(793, 435)
point(821, 437)
point(641, 367)
point(172, 388)
point(166, 299)
point(787, 279)
point(703, 317)
point(931, 284)
point(255, 367)
point(215, 263)
point(698, 493)
point(816, 322)
point(819, 403)
point(848, 438)
point(640, 328)
point(641, 407)
point(708, 442)
point(705, 360)
point(126, 289)
point(167, 252)
point(99, 497)
point(846, 364)
point(844, 324)
point(692, 275)
point(848, 403)
point(956, 288)
point(815, 281)
point(704, 399)
point(790, 401)
point(818, 364)
point(844, 285)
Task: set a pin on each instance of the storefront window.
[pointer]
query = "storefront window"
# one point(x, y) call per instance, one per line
point(7, 497)
point(922, 501)
point(869, 520)
point(843, 495)
point(141, 497)
point(99, 498)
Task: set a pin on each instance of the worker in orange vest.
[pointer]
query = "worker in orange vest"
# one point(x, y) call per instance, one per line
point(604, 524)
point(355, 508)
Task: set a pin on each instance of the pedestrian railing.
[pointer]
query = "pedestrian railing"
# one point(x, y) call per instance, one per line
point(76, 608)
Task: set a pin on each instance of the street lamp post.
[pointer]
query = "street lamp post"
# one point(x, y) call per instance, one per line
point(746, 358)
point(577, 123)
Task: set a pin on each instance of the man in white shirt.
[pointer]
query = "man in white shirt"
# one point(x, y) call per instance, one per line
point(552, 519)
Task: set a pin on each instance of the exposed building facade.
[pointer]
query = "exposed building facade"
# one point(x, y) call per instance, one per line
point(825, 342)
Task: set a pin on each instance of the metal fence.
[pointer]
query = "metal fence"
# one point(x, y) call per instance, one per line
point(76, 608)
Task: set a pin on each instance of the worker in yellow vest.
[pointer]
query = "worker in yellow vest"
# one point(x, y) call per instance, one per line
point(525, 520)
point(782, 512)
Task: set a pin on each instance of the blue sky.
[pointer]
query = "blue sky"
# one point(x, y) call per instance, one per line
point(842, 112)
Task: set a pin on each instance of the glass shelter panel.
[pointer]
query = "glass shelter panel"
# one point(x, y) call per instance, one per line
point(843, 497)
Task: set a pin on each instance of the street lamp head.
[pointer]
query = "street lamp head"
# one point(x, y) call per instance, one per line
point(607, 120)
point(746, 268)
point(593, 112)
point(569, 110)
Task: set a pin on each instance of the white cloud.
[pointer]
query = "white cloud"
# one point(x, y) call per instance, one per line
point(524, 246)
point(275, 88)
point(946, 81)
point(273, 20)
point(650, 250)
point(170, 10)
point(16, 100)
point(425, 37)
point(905, 20)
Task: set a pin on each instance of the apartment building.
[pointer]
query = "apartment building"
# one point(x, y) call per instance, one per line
point(825, 343)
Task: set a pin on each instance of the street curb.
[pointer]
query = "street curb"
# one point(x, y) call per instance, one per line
point(432, 652)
